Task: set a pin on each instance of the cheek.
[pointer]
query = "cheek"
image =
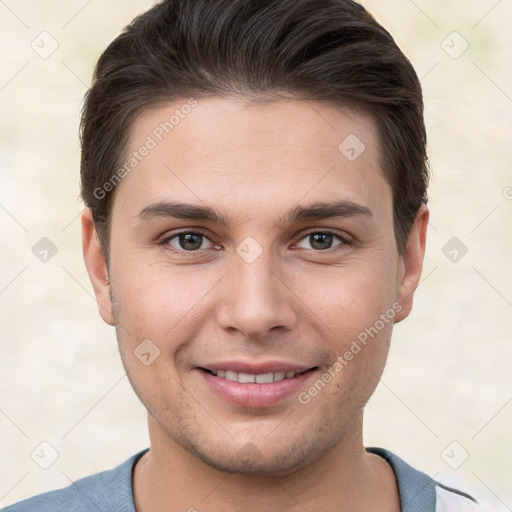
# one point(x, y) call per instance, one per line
point(348, 300)
point(164, 303)
point(154, 301)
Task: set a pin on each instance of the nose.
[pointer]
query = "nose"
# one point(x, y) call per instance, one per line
point(256, 299)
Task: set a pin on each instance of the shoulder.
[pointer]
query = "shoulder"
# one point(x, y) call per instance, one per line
point(108, 491)
point(418, 491)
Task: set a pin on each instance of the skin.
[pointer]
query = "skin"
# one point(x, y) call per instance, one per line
point(296, 302)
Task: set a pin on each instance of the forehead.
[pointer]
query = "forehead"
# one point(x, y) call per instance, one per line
point(300, 124)
point(217, 148)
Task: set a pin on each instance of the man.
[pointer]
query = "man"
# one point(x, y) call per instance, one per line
point(255, 178)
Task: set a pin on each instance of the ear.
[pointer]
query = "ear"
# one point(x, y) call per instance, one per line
point(411, 263)
point(96, 267)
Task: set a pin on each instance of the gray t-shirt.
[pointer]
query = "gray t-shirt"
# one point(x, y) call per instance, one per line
point(111, 491)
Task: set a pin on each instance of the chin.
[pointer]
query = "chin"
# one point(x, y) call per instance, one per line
point(263, 459)
point(250, 461)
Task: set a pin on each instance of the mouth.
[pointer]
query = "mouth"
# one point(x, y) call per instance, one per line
point(250, 378)
point(252, 387)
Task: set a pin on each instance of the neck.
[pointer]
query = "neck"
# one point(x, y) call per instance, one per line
point(347, 478)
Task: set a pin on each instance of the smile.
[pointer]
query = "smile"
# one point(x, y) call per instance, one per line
point(247, 378)
point(256, 389)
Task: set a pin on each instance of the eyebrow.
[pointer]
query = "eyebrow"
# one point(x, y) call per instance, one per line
point(300, 213)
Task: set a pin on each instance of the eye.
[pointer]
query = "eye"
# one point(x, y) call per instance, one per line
point(185, 241)
point(322, 240)
point(192, 241)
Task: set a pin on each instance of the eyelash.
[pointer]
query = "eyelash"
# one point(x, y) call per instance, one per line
point(165, 242)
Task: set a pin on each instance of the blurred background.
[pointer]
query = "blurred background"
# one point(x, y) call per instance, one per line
point(445, 400)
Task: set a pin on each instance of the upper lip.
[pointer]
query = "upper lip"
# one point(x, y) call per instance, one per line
point(256, 368)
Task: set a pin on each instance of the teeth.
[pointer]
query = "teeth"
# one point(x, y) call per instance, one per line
point(245, 378)
point(231, 375)
point(265, 378)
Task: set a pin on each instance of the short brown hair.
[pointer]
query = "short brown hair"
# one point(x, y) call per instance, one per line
point(262, 50)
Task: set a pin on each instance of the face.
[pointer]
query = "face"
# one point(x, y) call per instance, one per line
point(254, 277)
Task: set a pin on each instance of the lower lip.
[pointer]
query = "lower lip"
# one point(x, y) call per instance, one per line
point(255, 395)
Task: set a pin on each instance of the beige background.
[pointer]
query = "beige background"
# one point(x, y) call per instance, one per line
point(448, 377)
